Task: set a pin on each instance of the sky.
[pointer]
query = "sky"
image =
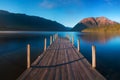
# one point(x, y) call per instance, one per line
point(66, 12)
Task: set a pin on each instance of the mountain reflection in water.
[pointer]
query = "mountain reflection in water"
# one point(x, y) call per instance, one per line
point(98, 37)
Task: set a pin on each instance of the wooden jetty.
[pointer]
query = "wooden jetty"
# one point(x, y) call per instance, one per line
point(61, 61)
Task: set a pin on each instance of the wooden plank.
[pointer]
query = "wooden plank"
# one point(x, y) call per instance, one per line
point(80, 64)
point(61, 61)
point(69, 73)
point(47, 70)
point(87, 65)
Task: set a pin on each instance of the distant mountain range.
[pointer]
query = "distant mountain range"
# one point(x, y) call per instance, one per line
point(93, 23)
point(22, 22)
point(14, 21)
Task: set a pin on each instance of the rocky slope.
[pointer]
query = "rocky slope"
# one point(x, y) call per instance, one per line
point(93, 22)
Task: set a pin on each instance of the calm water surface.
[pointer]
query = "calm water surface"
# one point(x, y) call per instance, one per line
point(13, 51)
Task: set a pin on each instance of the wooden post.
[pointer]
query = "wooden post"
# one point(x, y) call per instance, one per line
point(45, 44)
point(53, 38)
point(28, 56)
point(93, 56)
point(57, 35)
point(78, 45)
point(66, 35)
point(50, 40)
point(72, 40)
point(69, 37)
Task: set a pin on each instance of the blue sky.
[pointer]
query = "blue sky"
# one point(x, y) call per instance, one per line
point(66, 12)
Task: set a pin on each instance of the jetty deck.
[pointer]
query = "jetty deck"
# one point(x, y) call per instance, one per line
point(61, 61)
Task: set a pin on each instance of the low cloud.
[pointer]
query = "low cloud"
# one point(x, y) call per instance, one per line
point(58, 3)
point(109, 2)
point(47, 4)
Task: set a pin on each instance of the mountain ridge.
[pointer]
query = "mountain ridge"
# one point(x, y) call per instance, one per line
point(17, 21)
point(92, 22)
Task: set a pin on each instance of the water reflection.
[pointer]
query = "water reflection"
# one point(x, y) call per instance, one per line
point(107, 49)
point(98, 37)
point(13, 51)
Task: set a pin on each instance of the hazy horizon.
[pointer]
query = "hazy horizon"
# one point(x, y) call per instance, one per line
point(66, 12)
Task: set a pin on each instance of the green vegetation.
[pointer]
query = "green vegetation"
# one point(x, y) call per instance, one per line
point(108, 28)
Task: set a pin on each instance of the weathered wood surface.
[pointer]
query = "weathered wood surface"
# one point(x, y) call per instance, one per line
point(61, 61)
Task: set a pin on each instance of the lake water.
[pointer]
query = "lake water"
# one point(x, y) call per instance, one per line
point(13, 51)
